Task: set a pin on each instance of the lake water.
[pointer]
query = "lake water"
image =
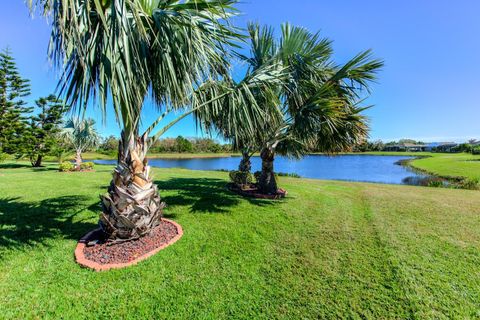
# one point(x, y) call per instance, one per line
point(366, 168)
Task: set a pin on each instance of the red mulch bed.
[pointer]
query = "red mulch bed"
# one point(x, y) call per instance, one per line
point(104, 255)
point(252, 192)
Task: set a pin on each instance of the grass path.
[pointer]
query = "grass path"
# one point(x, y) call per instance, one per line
point(330, 250)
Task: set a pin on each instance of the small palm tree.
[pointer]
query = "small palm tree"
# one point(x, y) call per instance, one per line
point(315, 105)
point(81, 134)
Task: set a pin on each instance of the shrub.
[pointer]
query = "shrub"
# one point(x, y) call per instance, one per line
point(87, 165)
point(291, 175)
point(436, 183)
point(470, 184)
point(66, 166)
point(240, 177)
point(257, 175)
point(3, 156)
point(476, 150)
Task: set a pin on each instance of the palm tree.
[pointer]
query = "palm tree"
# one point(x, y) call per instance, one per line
point(316, 105)
point(81, 134)
point(131, 50)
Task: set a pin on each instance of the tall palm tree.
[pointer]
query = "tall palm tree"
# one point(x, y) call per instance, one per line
point(130, 50)
point(81, 134)
point(315, 105)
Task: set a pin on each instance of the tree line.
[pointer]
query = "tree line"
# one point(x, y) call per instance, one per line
point(179, 144)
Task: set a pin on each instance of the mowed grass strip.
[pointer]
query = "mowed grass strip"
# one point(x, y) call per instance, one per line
point(329, 250)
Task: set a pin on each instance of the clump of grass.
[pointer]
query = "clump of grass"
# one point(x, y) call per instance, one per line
point(470, 184)
point(436, 183)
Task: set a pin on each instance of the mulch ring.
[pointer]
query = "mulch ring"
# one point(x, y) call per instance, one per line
point(251, 191)
point(93, 252)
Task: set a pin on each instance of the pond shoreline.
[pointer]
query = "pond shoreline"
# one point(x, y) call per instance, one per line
point(439, 180)
point(344, 167)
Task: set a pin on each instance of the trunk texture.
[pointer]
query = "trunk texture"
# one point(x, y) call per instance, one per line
point(38, 162)
point(267, 183)
point(245, 163)
point(132, 206)
point(78, 160)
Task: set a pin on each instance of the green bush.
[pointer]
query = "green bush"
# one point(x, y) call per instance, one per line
point(291, 175)
point(435, 183)
point(3, 156)
point(476, 150)
point(66, 166)
point(257, 175)
point(470, 184)
point(87, 166)
point(240, 177)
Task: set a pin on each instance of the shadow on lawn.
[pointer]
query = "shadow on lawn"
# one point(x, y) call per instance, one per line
point(202, 195)
point(29, 223)
point(26, 166)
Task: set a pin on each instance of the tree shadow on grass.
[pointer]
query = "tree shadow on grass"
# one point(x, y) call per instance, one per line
point(13, 165)
point(29, 223)
point(202, 195)
point(26, 166)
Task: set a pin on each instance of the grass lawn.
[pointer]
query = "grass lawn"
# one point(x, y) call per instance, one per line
point(448, 165)
point(331, 249)
point(451, 165)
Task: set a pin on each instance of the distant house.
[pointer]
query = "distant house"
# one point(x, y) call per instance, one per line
point(440, 146)
point(411, 147)
point(429, 147)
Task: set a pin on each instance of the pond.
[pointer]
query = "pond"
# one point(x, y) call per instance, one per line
point(365, 168)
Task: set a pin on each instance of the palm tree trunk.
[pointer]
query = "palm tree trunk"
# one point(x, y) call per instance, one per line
point(267, 183)
point(132, 206)
point(245, 163)
point(78, 159)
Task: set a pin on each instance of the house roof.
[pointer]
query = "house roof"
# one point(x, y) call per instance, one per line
point(440, 144)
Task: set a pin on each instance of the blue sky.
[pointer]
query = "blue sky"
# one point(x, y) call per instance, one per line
point(428, 90)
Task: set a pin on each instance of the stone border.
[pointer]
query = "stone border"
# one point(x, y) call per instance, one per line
point(84, 262)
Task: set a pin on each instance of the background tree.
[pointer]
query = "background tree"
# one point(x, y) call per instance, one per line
point(13, 110)
point(40, 137)
point(81, 134)
point(109, 144)
point(183, 145)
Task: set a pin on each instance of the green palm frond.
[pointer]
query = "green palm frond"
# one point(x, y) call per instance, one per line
point(317, 100)
point(81, 133)
point(125, 49)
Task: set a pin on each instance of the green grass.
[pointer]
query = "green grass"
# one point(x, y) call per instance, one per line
point(460, 165)
point(447, 165)
point(329, 250)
